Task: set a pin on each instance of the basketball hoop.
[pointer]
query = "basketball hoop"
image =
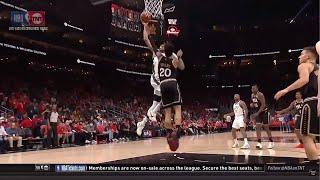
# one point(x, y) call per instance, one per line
point(154, 7)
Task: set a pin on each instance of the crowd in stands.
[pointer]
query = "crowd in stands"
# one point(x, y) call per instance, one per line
point(55, 117)
point(84, 118)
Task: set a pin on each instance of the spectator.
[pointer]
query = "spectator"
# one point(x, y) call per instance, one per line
point(115, 131)
point(61, 133)
point(90, 132)
point(80, 136)
point(3, 137)
point(14, 134)
point(69, 135)
point(36, 124)
point(44, 134)
point(26, 126)
point(31, 110)
point(53, 134)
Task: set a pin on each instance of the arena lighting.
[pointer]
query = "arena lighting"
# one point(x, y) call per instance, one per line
point(217, 56)
point(130, 44)
point(71, 26)
point(294, 50)
point(13, 6)
point(133, 72)
point(22, 49)
point(256, 54)
point(84, 62)
point(239, 86)
point(98, 2)
point(300, 11)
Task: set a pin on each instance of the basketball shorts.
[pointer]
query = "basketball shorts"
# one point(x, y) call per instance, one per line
point(309, 118)
point(156, 86)
point(298, 121)
point(238, 122)
point(263, 118)
point(170, 93)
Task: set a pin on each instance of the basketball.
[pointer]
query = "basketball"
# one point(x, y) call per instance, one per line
point(145, 17)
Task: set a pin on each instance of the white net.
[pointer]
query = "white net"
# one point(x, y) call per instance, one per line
point(154, 7)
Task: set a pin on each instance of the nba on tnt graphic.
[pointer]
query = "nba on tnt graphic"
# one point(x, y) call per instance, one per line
point(28, 21)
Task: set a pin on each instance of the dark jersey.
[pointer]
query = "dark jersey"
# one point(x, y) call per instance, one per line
point(256, 102)
point(166, 69)
point(298, 106)
point(311, 89)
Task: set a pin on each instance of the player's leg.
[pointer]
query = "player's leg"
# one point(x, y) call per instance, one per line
point(234, 136)
point(178, 119)
point(167, 119)
point(258, 131)
point(154, 109)
point(244, 135)
point(311, 149)
point(297, 132)
point(242, 126)
point(310, 129)
point(264, 118)
point(267, 129)
point(235, 127)
point(141, 125)
point(299, 137)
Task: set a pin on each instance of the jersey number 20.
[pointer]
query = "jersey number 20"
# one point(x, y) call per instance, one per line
point(165, 72)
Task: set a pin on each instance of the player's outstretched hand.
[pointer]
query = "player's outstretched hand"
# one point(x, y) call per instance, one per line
point(180, 53)
point(280, 94)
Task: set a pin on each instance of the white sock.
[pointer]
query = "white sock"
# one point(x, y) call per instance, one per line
point(245, 140)
point(154, 104)
point(156, 108)
point(144, 120)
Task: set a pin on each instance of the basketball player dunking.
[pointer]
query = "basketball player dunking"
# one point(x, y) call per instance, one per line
point(308, 80)
point(261, 115)
point(296, 107)
point(154, 80)
point(171, 97)
point(240, 111)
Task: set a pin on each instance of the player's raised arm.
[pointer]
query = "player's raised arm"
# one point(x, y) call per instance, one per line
point(148, 40)
point(304, 71)
point(177, 61)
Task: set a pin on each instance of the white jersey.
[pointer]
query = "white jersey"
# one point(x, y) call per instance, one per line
point(155, 74)
point(238, 111)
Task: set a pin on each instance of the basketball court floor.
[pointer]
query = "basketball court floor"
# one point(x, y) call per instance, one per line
point(211, 148)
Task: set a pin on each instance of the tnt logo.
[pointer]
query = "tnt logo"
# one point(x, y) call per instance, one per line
point(37, 18)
